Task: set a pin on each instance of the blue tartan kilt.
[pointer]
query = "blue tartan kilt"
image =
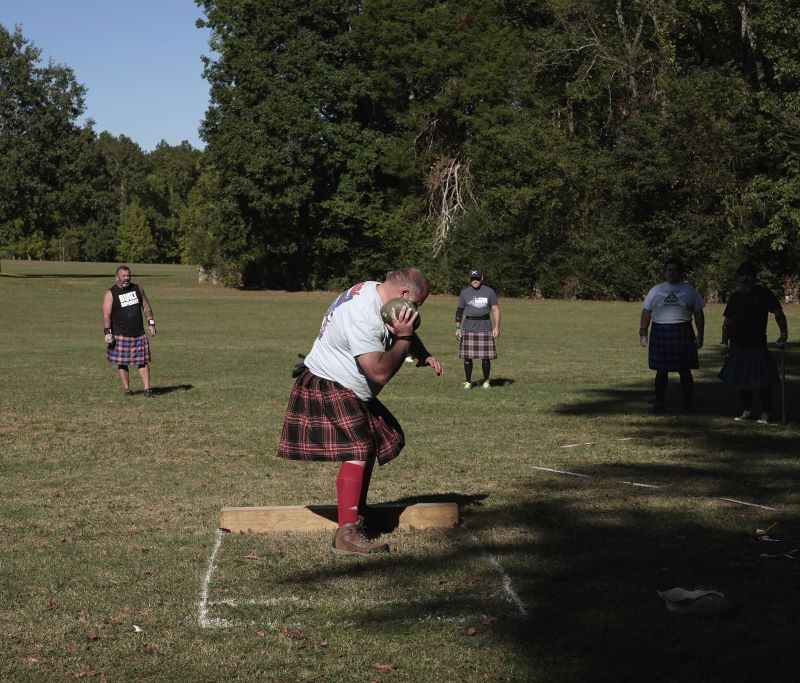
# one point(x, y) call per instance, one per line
point(129, 351)
point(672, 348)
point(477, 345)
point(749, 367)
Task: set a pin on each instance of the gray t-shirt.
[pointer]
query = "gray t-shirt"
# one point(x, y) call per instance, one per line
point(477, 305)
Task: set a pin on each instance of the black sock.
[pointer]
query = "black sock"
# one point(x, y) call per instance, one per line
point(661, 387)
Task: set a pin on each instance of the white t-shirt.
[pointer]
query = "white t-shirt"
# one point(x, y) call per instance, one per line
point(352, 326)
point(670, 304)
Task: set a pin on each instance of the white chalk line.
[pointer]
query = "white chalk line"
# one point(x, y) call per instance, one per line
point(589, 476)
point(649, 486)
point(206, 622)
point(308, 602)
point(202, 611)
point(654, 436)
point(742, 502)
point(571, 474)
point(508, 587)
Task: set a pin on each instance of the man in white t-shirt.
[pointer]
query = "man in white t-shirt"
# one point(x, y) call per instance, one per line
point(671, 306)
point(334, 413)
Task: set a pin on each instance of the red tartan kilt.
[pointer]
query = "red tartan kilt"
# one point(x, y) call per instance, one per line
point(129, 351)
point(326, 421)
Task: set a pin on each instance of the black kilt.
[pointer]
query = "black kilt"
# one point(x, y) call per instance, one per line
point(326, 421)
point(749, 367)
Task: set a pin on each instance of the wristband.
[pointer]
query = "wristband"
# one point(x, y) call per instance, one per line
point(642, 331)
point(106, 330)
point(407, 337)
point(151, 322)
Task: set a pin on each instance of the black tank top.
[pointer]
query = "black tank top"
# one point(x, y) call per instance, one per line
point(126, 311)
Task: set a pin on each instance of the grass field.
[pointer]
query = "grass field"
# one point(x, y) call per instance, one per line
point(577, 505)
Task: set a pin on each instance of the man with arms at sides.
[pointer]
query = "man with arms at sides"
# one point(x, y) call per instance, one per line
point(475, 330)
point(123, 329)
point(670, 306)
point(334, 413)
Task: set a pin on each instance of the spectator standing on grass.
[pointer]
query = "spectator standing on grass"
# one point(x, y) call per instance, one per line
point(748, 363)
point(124, 332)
point(670, 306)
point(334, 413)
point(477, 327)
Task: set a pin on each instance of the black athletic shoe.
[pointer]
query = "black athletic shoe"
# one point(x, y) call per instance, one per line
point(149, 393)
point(127, 392)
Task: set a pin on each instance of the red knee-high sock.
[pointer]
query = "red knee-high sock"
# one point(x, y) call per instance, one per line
point(348, 491)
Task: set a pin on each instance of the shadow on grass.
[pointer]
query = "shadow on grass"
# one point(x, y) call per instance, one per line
point(501, 382)
point(712, 396)
point(389, 517)
point(590, 583)
point(588, 555)
point(161, 391)
point(464, 500)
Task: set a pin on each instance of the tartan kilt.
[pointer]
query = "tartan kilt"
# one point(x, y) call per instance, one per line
point(129, 351)
point(749, 367)
point(325, 421)
point(477, 345)
point(672, 347)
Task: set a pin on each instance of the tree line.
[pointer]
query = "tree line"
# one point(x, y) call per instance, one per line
point(566, 147)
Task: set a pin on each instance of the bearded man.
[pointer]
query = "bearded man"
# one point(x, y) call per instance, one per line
point(123, 329)
point(748, 364)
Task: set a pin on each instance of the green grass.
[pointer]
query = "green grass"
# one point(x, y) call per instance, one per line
point(109, 506)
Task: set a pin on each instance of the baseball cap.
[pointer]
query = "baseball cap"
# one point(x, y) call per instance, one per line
point(475, 273)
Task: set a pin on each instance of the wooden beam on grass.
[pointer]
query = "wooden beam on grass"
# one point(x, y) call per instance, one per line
point(382, 517)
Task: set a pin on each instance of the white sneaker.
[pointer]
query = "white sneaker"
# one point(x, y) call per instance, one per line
point(468, 385)
point(486, 384)
point(746, 415)
point(764, 419)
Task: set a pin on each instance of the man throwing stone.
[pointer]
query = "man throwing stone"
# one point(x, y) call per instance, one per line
point(333, 412)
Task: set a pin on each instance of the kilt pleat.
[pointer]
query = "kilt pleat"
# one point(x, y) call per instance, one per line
point(672, 347)
point(477, 345)
point(749, 367)
point(129, 351)
point(325, 421)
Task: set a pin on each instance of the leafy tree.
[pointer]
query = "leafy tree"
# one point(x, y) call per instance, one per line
point(570, 145)
point(174, 171)
point(39, 107)
point(135, 238)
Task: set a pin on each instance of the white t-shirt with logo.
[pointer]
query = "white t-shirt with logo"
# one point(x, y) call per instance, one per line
point(352, 326)
point(670, 304)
